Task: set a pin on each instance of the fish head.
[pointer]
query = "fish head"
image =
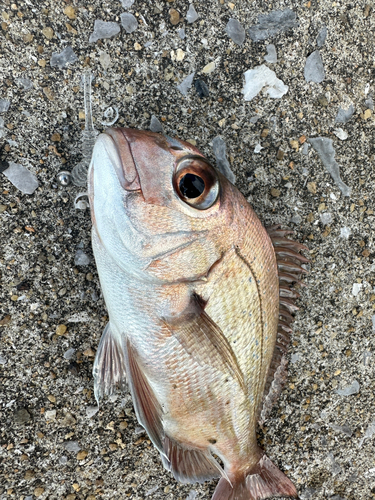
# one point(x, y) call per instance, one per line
point(159, 208)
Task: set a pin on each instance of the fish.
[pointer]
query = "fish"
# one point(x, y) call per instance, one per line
point(200, 299)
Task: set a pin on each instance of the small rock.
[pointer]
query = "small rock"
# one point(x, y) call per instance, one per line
point(155, 125)
point(129, 22)
point(70, 12)
point(72, 446)
point(181, 33)
point(321, 38)
point(311, 187)
point(61, 329)
point(349, 390)
point(367, 114)
point(180, 54)
point(345, 232)
point(69, 353)
point(127, 3)
point(38, 491)
point(50, 415)
point(275, 192)
point(26, 83)
point(271, 56)
point(81, 455)
point(356, 289)
point(235, 31)
point(272, 23)
point(81, 259)
point(105, 60)
point(174, 17)
point(314, 69)
point(345, 429)
point(104, 29)
point(4, 105)
point(185, 85)
point(326, 218)
point(258, 78)
point(344, 115)
point(341, 134)
point(21, 416)
point(21, 178)
point(90, 412)
point(280, 154)
point(201, 88)
point(209, 68)
point(48, 33)
point(191, 14)
point(258, 148)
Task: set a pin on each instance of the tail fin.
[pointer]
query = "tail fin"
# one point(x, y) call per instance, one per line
point(262, 481)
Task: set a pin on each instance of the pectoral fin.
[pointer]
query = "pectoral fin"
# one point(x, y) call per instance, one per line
point(109, 366)
point(204, 341)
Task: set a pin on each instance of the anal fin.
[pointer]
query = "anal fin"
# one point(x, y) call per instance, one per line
point(147, 407)
point(190, 465)
point(109, 366)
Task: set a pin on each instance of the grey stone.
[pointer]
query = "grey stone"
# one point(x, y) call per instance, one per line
point(186, 83)
point(155, 125)
point(191, 14)
point(324, 147)
point(26, 83)
point(219, 148)
point(21, 178)
point(270, 24)
point(349, 390)
point(326, 218)
point(271, 56)
point(344, 115)
point(104, 29)
point(129, 22)
point(126, 4)
point(321, 38)
point(21, 416)
point(181, 33)
point(62, 59)
point(235, 31)
point(72, 446)
point(4, 105)
point(314, 69)
point(345, 429)
point(81, 259)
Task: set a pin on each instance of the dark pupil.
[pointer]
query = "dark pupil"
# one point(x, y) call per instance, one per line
point(191, 186)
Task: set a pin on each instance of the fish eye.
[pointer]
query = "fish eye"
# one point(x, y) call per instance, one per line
point(196, 182)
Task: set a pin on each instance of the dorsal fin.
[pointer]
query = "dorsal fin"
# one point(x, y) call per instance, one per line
point(288, 262)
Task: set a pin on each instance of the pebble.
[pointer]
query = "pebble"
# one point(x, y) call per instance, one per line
point(209, 68)
point(61, 329)
point(129, 22)
point(48, 33)
point(344, 115)
point(181, 33)
point(91, 411)
point(259, 77)
point(62, 59)
point(21, 416)
point(311, 187)
point(366, 115)
point(81, 455)
point(38, 491)
point(235, 31)
point(201, 88)
point(326, 218)
point(186, 83)
point(70, 11)
point(2, 360)
point(104, 59)
point(104, 29)
point(356, 289)
point(26, 83)
point(324, 147)
point(271, 56)
point(81, 258)
point(50, 415)
point(270, 24)
point(258, 148)
point(174, 16)
point(345, 232)
point(275, 192)
point(219, 149)
point(341, 134)
point(349, 390)
point(321, 38)
point(69, 353)
point(180, 54)
point(155, 125)
point(72, 446)
point(191, 14)
point(314, 69)
point(4, 105)
point(126, 4)
point(21, 178)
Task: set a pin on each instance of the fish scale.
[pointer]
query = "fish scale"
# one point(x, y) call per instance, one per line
point(191, 281)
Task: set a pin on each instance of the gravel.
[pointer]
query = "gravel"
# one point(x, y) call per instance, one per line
point(333, 342)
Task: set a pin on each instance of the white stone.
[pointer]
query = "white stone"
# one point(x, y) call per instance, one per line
point(258, 78)
point(21, 178)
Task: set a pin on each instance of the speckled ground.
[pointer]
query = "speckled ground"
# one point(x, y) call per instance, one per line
point(44, 397)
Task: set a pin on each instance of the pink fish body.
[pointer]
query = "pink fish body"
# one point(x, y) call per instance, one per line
point(198, 323)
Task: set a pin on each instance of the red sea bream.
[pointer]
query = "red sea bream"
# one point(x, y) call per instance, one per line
point(199, 300)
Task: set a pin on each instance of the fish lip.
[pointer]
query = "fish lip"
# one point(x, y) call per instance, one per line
point(126, 166)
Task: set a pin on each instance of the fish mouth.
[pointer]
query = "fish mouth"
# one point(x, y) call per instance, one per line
point(125, 165)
